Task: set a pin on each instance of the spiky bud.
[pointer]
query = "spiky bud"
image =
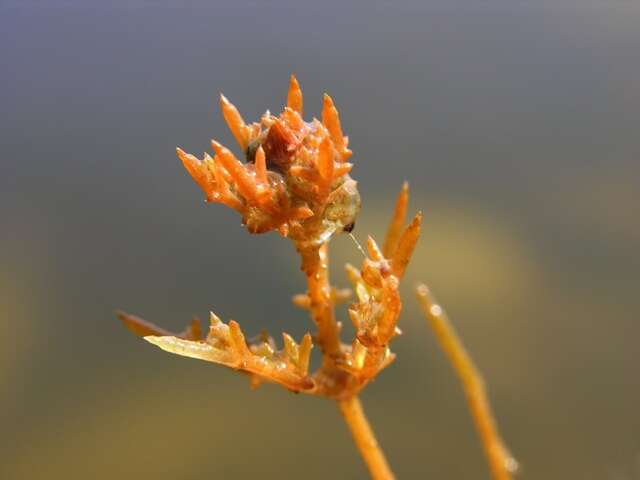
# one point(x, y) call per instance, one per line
point(294, 178)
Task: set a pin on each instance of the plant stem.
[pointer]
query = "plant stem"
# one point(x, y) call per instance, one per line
point(315, 264)
point(501, 463)
point(365, 439)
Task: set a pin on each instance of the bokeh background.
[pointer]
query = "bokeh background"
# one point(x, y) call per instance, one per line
point(516, 123)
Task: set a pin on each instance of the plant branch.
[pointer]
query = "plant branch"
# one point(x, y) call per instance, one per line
point(365, 439)
point(296, 181)
point(315, 264)
point(501, 463)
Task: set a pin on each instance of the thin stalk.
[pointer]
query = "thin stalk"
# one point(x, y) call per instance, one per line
point(501, 463)
point(365, 439)
point(315, 264)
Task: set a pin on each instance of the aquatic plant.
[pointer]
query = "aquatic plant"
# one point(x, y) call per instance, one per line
point(294, 180)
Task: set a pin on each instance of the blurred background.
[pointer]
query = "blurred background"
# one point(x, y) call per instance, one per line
point(516, 123)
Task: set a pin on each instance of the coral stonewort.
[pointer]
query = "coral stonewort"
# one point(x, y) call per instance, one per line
point(295, 180)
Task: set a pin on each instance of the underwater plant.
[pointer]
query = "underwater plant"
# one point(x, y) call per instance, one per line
point(294, 179)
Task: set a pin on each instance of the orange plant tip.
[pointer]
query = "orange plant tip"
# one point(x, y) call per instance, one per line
point(138, 326)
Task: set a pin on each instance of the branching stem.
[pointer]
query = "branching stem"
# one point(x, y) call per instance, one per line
point(295, 181)
point(315, 264)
